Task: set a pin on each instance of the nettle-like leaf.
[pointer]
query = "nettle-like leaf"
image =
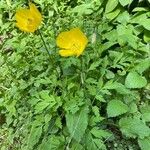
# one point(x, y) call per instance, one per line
point(77, 123)
point(111, 5)
point(87, 8)
point(116, 108)
point(125, 2)
point(143, 65)
point(34, 136)
point(134, 127)
point(142, 20)
point(92, 143)
point(95, 117)
point(47, 100)
point(120, 88)
point(112, 15)
point(146, 36)
point(94, 65)
point(99, 133)
point(145, 111)
point(126, 36)
point(144, 143)
point(135, 80)
point(73, 104)
point(123, 18)
point(76, 146)
point(52, 143)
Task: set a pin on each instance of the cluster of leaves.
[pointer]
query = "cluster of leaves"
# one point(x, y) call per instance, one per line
point(97, 101)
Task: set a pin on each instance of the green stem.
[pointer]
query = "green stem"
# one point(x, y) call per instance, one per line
point(45, 46)
point(50, 57)
point(82, 72)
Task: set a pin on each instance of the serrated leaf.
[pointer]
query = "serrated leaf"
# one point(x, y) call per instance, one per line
point(98, 133)
point(116, 108)
point(144, 143)
point(112, 15)
point(123, 18)
point(138, 18)
point(134, 127)
point(145, 23)
point(40, 106)
point(77, 123)
point(142, 20)
point(146, 117)
point(133, 108)
point(146, 36)
point(93, 143)
point(125, 2)
point(120, 88)
point(143, 65)
point(145, 110)
point(94, 65)
point(34, 136)
point(135, 80)
point(111, 5)
point(83, 9)
point(126, 36)
point(76, 146)
point(52, 143)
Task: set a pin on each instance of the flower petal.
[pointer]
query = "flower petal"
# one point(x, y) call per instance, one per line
point(28, 19)
point(64, 40)
point(35, 13)
point(72, 42)
point(66, 53)
point(79, 36)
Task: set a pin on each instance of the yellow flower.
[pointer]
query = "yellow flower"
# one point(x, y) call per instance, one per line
point(28, 20)
point(72, 43)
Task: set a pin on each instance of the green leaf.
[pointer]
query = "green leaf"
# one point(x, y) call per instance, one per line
point(135, 80)
point(123, 18)
point(142, 66)
point(76, 146)
point(41, 106)
point(147, 36)
point(93, 143)
point(94, 65)
point(111, 5)
point(46, 101)
point(138, 9)
point(109, 74)
point(144, 143)
point(134, 127)
point(98, 133)
point(145, 110)
point(116, 108)
point(142, 20)
point(87, 8)
point(126, 36)
point(34, 136)
point(83, 9)
point(112, 15)
point(77, 123)
point(138, 18)
point(133, 108)
point(120, 88)
point(125, 2)
point(146, 24)
point(52, 143)
point(146, 116)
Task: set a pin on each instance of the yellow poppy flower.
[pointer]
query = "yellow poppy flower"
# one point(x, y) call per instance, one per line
point(28, 20)
point(72, 43)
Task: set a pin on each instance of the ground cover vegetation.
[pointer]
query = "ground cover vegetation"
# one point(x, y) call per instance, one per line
point(75, 75)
